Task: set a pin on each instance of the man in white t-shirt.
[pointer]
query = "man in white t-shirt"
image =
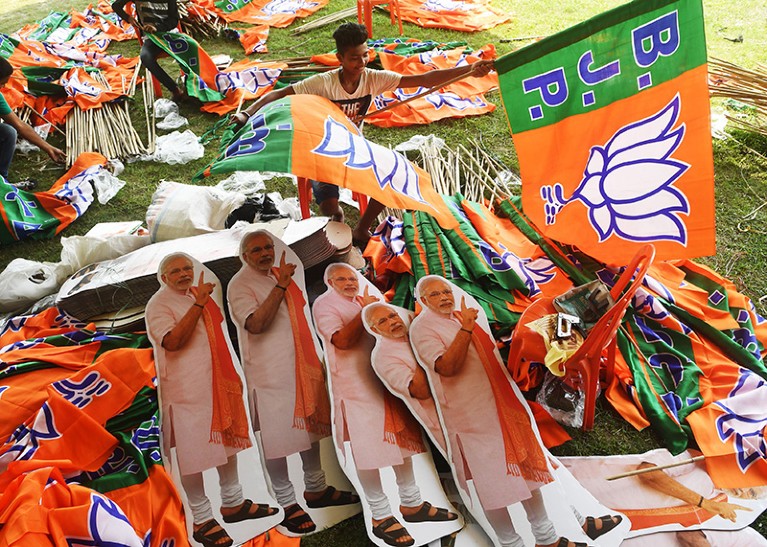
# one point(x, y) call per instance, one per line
point(352, 87)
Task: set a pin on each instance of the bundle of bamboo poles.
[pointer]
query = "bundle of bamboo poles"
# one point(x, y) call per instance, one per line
point(471, 171)
point(326, 20)
point(108, 129)
point(730, 81)
point(198, 21)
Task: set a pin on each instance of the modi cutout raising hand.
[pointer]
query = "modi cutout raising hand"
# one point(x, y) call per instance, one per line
point(468, 316)
point(285, 271)
point(203, 290)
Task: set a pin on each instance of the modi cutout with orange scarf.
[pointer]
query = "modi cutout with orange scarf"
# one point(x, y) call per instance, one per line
point(490, 433)
point(203, 411)
point(284, 374)
point(380, 430)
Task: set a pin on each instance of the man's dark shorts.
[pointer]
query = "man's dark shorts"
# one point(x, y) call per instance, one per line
point(323, 191)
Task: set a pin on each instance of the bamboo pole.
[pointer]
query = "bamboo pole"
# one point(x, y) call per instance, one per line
point(414, 97)
point(654, 468)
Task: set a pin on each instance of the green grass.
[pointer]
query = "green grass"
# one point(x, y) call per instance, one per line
point(741, 164)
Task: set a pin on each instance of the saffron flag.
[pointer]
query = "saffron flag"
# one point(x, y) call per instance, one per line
point(461, 15)
point(310, 137)
point(254, 39)
point(457, 100)
point(275, 13)
point(611, 124)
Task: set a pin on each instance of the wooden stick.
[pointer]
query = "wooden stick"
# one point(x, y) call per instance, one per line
point(35, 112)
point(414, 97)
point(654, 468)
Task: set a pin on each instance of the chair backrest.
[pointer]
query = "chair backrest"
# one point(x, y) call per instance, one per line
point(622, 292)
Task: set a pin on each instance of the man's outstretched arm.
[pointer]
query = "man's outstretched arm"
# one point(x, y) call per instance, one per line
point(660, 481)
point(437, 77)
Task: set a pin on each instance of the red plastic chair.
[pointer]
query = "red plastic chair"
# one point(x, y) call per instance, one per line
point(365, 13)
point(305, 197)
point(598, 349)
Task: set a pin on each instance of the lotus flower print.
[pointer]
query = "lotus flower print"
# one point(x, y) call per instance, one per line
point(390, 168)
point(628, 184)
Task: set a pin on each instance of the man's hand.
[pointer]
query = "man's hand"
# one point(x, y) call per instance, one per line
point(203, 290)
point(368, 298)
point(482, 68)
point(149, 28)
point(468, 316)
point(238, 120)
point(723, 509)
point(285, 272)
point(55, 154)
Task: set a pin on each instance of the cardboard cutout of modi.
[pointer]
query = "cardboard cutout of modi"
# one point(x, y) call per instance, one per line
point(288, 396)
point(379, 443)
point(204, 419)
point(505, 475)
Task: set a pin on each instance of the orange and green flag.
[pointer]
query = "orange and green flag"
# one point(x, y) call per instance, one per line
point(611, 123)
point(311, 137)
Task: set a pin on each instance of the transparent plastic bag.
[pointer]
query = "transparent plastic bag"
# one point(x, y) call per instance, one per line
point(173, 120)
point(562, 398)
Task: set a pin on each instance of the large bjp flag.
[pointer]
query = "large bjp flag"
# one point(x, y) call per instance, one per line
point(611, 123)
point(309, 136)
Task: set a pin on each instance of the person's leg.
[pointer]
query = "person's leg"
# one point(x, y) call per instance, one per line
point(314, 476)
point(500, 522)
point(543, 529)
point(149, 53)
point(296, 519)
point(374, 494)
point(229, 481)
point(409, 493)
point(361, 232)
point(326, 196)
point(8, 137)
point(384, 523)
point(194, 487)
point(204, 525)
point(277, 468)
point(234, 506)
point(317, 492)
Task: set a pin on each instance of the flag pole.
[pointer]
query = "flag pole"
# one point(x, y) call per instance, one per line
point(654, 468)
point(414, 97)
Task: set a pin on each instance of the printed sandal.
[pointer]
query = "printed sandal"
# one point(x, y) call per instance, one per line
point(204, 536)
point(293, 522)
point(243, 513)
point(390, 537)
point(327, 499)
point(608, 524)
point(422, 515)
point(564, 542)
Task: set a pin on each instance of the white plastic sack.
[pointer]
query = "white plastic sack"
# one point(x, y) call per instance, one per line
point(174, 120)
point(182, 210)
point(24, 282)
point(178, 148)
point(79, 251)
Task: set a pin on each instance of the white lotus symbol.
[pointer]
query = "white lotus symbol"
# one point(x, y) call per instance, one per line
point(628, 185)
